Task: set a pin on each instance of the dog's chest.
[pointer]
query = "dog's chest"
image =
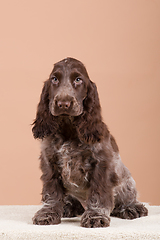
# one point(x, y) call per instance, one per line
point(75, 166)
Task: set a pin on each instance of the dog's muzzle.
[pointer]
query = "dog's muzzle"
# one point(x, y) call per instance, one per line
point(66, 105)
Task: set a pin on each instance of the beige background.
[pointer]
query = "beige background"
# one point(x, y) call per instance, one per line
point(119, 42)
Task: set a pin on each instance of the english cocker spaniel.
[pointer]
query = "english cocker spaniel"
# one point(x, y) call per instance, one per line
point(82, 169)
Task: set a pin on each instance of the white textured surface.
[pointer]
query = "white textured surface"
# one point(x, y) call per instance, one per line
point(16, 223)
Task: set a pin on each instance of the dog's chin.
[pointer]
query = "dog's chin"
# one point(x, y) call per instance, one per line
point(71, 113)
point(64, 115)
point(67, 114)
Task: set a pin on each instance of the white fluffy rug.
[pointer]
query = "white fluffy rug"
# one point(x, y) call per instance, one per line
point(16, 223)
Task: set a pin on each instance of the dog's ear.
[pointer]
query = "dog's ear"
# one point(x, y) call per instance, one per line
point(45, 123)
point(90, 127)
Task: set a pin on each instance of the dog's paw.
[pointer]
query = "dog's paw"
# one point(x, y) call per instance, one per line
point(46, 216)
point(92, 219)
point(135, 210)
point(141, 209)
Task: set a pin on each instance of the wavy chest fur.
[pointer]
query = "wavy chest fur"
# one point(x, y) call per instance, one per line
point(76, 163)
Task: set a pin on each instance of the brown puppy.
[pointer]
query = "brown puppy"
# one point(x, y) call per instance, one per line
point(80, 161)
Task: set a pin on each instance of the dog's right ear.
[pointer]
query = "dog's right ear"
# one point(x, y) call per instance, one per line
point(45, 123)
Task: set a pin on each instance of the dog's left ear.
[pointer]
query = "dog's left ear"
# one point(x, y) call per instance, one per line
point(45, 123)
point(90, 127)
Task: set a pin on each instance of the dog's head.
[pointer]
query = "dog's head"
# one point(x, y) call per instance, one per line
point(69, 92)
point(68, 87)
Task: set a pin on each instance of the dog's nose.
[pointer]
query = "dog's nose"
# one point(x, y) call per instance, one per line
point(64, 104)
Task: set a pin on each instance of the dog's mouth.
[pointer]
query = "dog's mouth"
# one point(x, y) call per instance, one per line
point(64, 115)
point(74, 109)
point(70, 114)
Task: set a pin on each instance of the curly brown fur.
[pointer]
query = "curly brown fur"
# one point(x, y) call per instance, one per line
point(82, 169)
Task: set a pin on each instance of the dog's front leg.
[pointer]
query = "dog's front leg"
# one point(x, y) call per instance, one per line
point(99, 203)
point(52, 210)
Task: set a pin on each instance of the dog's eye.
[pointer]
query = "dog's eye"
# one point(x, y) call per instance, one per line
point(78, 81)
point(55, 80)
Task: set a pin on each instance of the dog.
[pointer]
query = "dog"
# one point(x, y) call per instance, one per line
point(82, 172)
